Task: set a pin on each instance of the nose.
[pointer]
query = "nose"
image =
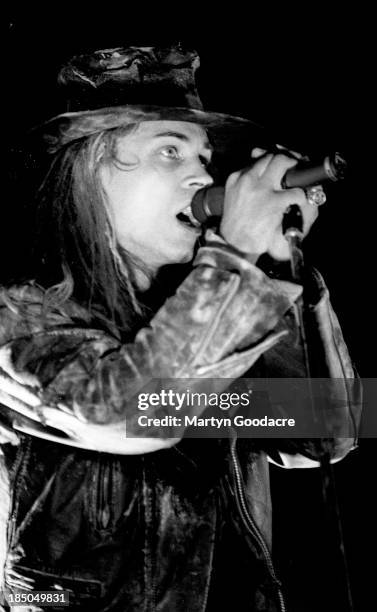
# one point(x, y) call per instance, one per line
point(197, 178)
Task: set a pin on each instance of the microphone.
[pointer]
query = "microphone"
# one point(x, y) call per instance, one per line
point(209, 202)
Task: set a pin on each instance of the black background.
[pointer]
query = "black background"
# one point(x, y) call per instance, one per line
point(308, 76)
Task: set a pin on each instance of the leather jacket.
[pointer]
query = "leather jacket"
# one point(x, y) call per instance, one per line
point(150, 531)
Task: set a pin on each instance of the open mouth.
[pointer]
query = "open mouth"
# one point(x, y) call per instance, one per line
point(187, 218)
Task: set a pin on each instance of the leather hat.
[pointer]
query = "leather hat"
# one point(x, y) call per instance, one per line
point(115, 87)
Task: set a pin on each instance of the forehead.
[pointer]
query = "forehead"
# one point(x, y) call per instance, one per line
point(151, 131)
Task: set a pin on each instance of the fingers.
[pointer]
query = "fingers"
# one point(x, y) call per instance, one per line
point(290, 153)
point(276, 169)
point(257, 152)
point(260, 166)
point(296, 195)
point(276, 164)
point(255, 203)
point(310, 215)
point(309, 211)
point(273, 167)
point(269, 166)
point(255, 171)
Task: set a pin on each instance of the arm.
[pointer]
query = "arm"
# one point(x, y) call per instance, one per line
point(333, 363)
point(223, 317)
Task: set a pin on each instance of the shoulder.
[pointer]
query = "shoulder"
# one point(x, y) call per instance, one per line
point(37, 334)
point(29, 308)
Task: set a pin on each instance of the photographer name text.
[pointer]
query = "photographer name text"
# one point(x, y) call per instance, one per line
point(214, 422)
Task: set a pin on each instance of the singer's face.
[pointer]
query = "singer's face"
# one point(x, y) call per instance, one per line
point(157, 170)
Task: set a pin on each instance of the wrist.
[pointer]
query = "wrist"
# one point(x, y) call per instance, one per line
point(250, 253)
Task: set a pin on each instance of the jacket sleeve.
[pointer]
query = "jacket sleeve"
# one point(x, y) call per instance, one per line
point(222, 318)
point(344, 387)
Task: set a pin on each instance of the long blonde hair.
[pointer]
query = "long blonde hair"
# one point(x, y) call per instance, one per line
point(73, 251)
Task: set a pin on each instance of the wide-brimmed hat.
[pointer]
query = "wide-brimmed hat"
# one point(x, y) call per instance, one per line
point(122, 86)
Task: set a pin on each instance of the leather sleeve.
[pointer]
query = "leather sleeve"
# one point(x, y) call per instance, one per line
point(222, 318)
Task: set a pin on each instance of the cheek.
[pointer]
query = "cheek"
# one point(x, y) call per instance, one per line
point(136, 215)
point(139, 200)
point(119, 195)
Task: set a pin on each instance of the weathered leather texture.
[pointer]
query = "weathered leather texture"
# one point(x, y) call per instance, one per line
point(146, 532)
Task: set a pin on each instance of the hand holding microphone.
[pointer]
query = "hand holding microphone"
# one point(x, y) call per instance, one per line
point(254, 206)
point(255, 200)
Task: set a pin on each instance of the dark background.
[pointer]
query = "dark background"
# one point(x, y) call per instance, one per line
point(306, 75)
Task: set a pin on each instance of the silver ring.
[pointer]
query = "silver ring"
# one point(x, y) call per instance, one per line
point(315, 195)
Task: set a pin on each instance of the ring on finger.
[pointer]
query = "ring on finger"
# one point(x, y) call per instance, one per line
point(315, 195)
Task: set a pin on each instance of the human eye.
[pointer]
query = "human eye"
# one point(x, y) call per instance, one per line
point(170, 152)
point(205, 161)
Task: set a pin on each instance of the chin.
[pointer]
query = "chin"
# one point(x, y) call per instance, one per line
point(181, 255)
point(179, 260)
point(186, 256)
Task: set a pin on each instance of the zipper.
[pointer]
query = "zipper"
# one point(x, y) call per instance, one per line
point(250, 524)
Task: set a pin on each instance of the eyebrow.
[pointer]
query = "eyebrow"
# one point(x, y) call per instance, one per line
point(180, 136)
